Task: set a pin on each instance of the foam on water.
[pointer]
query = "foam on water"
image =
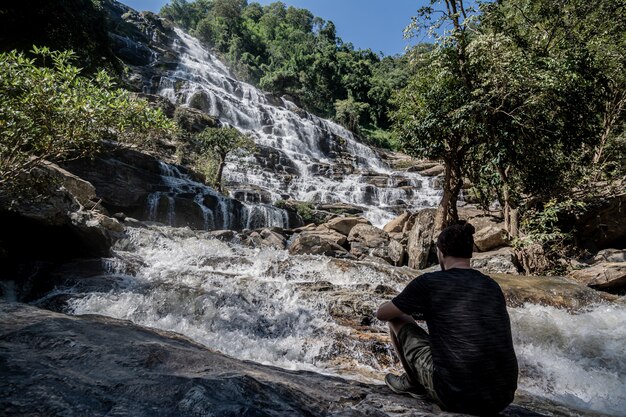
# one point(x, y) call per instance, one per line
point(253, 304)
point(574, 359)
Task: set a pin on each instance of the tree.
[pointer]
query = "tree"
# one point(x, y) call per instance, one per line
point(350, 113)
point(213, 145)
point(53, 113)
point(436, 116)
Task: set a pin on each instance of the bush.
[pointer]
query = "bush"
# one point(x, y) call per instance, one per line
point(51, 112)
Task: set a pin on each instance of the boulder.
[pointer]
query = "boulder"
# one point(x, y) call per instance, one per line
point(344, 225)
point(557, 292)
point(490, 237)
point(501, 261)
point(312, 244)
point(609, 277)
point(433, 171)
point(420, 245)
point(54, 364)
point(366, 240)
point(273, 239)
point(610, 255)
point(398, 224)
point(83, 191)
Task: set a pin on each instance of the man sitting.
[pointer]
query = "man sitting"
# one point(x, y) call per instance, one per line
point(466, 361)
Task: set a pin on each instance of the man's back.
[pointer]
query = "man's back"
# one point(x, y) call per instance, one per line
point(470, 337)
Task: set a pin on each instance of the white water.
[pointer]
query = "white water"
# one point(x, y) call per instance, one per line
point(252, 304)
point(574, 359)
point(305, 143)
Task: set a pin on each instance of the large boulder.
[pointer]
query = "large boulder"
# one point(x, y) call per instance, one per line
point(610, 255)
point(557, 292)
point(344, 225)
point(605, 276)
point(315, 244)
point(420, 246)
point(402, 223)
point(366, 240)
point(501, 261)
point(54, 364)
point(490, 237)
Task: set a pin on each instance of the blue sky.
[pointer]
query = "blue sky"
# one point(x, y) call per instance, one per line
point(375, 24)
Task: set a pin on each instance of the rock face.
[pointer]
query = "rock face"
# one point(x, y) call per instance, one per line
point(94, 365)
point(142, 187)
point(420, 246)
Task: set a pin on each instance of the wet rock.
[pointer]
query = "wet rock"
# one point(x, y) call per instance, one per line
point(56, 364)
point(420, 246)
point(344, 225)
point(605, 276)
point(490, 237)
point(501, 261)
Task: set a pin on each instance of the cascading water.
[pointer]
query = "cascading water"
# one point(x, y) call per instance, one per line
point(224, 213)
point(290, 311)
point(312, 159)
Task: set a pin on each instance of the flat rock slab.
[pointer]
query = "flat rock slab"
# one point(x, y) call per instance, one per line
point(54, 364)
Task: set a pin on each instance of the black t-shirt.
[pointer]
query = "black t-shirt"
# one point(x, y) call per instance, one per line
point(470, 338)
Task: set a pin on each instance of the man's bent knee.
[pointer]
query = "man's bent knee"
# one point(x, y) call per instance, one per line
point(399, 322)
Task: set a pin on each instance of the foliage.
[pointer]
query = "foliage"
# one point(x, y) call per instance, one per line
point(213, 145)
point(521, 96)
point(289, 51)
point(53, 113)
point(305, 209)
point(350, 113)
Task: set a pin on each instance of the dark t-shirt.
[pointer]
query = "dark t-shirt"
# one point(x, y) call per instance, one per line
point(475, 368)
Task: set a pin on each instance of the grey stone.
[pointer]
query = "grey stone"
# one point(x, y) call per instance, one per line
point(501, 261)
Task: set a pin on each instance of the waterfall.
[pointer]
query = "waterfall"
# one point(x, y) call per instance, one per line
point(312, 159)
point(290, 311)
point(224, 213)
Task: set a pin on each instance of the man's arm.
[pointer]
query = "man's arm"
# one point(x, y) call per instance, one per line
point(388, 311)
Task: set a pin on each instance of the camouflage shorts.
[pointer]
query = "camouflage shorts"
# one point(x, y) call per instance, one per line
point(415, 344)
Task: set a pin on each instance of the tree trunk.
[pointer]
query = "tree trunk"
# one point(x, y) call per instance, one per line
point(510, 212)
point(220, 171)
point(447, 212)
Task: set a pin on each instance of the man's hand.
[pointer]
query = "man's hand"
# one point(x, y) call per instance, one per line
point(388, 311)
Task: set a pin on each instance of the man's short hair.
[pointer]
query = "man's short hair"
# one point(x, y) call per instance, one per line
point(457, 240)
